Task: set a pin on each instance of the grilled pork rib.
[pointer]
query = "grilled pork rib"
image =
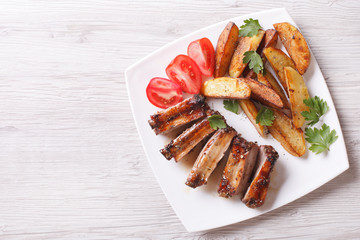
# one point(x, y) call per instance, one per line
point(209, 157)
point(256, 193)
point(187, 140)
point(189, 110)
point(239, 168)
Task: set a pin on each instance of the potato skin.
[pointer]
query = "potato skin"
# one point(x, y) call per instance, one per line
point(226, 87)
point(269, 80)
point(297, 93)
point(295, 45)
point(245, 44)
point(270, 40)
point(263, 93)
point(225, 48)
point(251, 112)
point(278, 60)
point(261, 78)
point(291, 138)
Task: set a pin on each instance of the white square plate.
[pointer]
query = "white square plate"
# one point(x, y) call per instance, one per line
point(202, 208)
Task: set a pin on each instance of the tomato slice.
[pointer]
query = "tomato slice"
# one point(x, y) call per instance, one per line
point(163, 93)
point(184, 71)
point(203, 53)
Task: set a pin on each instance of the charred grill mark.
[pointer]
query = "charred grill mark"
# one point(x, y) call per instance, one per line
point(225, 188)
point(168, 149)
point(272, 154)
point(196, 180)
point(182, 113)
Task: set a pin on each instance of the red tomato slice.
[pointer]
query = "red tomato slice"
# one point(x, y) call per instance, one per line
point(203, 53)
point(163, 93)
point(184, 71)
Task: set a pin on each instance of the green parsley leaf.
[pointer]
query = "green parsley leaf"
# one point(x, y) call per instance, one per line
point(256, 63)
point(318, 107)
point(320, 139)
point(250, 28)
point(231, 105)
point(216, 121)
point(265, 116)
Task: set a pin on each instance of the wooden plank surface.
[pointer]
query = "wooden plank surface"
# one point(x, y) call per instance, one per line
point(72, 166)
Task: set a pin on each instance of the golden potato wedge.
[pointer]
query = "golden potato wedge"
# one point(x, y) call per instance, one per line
point(278, 60)
point(226, 87)
point(269, 40)
point(295, 45)
point(291, 138)
point(297, 93)
point(270, 81)
point(263, 93)
point(225, 49)
point(251, 112)
point(245, 44)
point(261, 78)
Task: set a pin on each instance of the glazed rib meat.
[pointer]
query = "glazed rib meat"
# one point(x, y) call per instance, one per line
point(187, 140)
point(239, 168)
point(189, 110)
point(256, 193)
point(209, 157)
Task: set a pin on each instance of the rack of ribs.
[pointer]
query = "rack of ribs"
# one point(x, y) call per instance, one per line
point(245, 157)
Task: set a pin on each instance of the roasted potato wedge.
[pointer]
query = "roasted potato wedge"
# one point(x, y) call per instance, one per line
point(225, 49)
point(261, 78)
point(291, 138)
point(263, 93)
point(245, 44)
point(269, 40)
point(270, 81)
point(295, 45)
point(297, 93)
point(278, 60)
point(226, 87)
point(251, 112)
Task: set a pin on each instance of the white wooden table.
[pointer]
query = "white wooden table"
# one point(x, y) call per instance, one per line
point(71, 162)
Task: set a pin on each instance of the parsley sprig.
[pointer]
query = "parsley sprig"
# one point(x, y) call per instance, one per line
point(320, 139)
point(231, 105)
point(265, 116)
point(216, 122)
point(318, 107)
point(254, 60)
point(250, 28)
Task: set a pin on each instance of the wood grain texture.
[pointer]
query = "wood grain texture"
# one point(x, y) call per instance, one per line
point(72, 166)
